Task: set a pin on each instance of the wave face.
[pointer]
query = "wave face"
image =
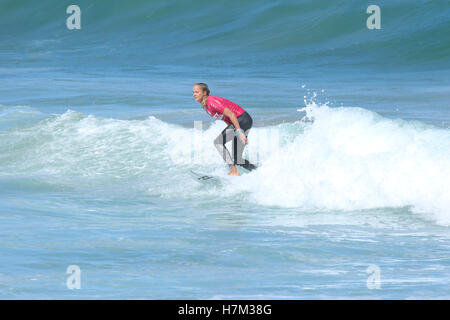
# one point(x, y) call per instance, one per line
point(330, 159)
point(231, 34)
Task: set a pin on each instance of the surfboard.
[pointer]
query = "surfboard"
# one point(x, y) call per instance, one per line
point(204, 178)
point(212, 179)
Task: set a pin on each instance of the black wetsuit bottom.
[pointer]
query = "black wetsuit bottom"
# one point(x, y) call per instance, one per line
point(245, 122)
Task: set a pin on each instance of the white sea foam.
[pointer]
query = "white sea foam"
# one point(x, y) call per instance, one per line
point(351, 158)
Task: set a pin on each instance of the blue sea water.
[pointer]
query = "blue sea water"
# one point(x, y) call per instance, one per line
point(351, 131)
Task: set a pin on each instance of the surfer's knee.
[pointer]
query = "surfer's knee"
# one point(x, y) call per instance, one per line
point(218, 146)
point(218, 142)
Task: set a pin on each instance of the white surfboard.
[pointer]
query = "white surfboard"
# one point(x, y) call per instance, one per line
point(204, 178)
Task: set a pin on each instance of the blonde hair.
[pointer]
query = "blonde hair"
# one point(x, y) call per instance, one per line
point(204, 87)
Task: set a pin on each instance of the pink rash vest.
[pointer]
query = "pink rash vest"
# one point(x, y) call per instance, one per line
point(216, 105)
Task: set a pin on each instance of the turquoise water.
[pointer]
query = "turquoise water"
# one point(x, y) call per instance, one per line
point(97, 137)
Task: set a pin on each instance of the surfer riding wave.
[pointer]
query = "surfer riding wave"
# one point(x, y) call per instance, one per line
point(239, 124)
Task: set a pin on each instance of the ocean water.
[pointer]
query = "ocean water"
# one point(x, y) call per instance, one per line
point(351, 132)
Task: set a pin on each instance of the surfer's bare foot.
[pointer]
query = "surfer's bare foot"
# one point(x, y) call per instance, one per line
point(233, 172)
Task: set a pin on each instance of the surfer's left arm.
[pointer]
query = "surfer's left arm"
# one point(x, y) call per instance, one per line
point(234, 120)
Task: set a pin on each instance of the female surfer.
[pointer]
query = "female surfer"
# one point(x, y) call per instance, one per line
point(239, 123)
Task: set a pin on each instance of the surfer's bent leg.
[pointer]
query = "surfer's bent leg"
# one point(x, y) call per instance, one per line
point(245, 122)
point(226, 135)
